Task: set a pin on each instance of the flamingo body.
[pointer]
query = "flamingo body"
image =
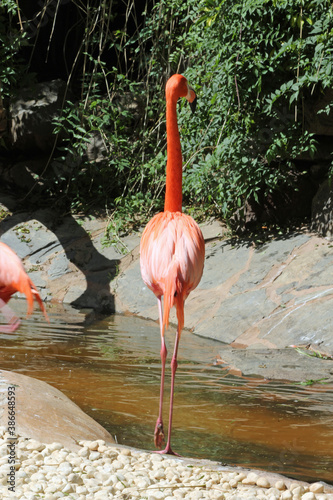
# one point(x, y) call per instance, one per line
point(172, 254)
point(172, 248)
point(13, 278)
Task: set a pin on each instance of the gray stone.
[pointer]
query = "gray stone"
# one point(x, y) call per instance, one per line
point(235, 315)
point(32, 115)
point(322, 210)
point(307, 322)
point(283, 364)
point(47, 415)
point(58, 266)
point(265, 258)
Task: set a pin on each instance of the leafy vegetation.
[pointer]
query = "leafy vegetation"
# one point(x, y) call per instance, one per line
point(13, 68)
point(254, 64)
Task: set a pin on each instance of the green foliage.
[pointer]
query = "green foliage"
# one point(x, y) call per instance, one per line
point(11, 40)
point(261, 61)
point(253, 64)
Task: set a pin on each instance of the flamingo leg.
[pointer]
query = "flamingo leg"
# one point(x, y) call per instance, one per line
point(12, 320)
point(174, 365)
point(159, 431)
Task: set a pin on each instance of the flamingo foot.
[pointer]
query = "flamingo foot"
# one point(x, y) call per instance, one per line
point(12, 320)
point(159, 434)
point(167, 451)
point(11, 327)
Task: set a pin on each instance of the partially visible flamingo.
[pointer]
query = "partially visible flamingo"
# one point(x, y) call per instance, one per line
point(172, 248)
point(13, 278)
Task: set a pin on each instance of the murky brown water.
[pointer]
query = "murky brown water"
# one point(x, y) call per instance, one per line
point(111, 369)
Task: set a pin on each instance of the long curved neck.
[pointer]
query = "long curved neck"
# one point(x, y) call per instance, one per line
point(173, 194)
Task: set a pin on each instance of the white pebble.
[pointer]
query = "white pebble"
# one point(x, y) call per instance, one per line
point(68, 488)
point(217, 495)
point(119, 486)
point(65, 468)
point(55, 446)
point(38, 487)
point(286, 495)
point(29, 495)
point(156, 495)
point(280, 485)
point(75, 478)
point(233, 483)
point(226, 486)
point(263, 482)
point(159, 474)
point(142, 483)
point(94, 455)
point(93, 445)
point(84, 452)
point(240, 476)
point(35, 445)
point(195, 495)
point(298, 491)
point(103, 494)
point(309, 496)
point(274, 492)
point(317, 488)
point(81, 490)
point(117, 465)
point(31, 468)
point(126, 452)
point(251, 478)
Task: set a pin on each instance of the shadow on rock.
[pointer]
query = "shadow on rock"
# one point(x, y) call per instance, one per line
point(62, 255)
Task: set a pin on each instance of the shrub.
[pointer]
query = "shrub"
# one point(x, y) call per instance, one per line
point(253, 65)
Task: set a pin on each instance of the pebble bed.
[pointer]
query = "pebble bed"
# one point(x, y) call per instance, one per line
point(98, 471)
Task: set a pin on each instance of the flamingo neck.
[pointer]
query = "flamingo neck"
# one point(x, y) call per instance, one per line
point(173, 194)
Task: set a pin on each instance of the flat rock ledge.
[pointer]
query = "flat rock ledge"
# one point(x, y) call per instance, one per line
point(46, 460)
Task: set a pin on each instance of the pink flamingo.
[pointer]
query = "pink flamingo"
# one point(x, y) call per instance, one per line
point(13, 278)
point(172, 248)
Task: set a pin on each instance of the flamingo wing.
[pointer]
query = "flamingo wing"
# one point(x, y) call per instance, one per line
point(172, 253)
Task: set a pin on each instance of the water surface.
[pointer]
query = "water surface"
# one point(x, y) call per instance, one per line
point(110, 367)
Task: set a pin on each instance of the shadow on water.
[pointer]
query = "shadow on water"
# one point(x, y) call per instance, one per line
point(111, 369)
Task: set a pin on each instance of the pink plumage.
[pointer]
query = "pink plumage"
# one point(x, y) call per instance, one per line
point(13, 278)
point(172, 254)
point(172, 248)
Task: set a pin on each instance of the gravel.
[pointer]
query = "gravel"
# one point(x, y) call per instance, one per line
point(99, 471)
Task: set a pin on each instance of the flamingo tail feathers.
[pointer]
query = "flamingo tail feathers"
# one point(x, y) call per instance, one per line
point(40, 303)
point(173, 295)
point(31, 293)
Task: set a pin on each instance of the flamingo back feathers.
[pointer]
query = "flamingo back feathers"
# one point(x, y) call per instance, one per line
point(172, 253)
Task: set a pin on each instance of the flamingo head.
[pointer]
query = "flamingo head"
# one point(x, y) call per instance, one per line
point(177, 86)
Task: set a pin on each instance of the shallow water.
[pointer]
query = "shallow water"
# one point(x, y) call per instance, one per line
point(110, 367)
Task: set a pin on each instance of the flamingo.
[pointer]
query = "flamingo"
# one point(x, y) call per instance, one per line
point(13, 278)
point(172, 248)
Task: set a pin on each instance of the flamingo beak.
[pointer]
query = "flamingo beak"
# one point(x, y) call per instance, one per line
point(193, 104)
point(192, 99)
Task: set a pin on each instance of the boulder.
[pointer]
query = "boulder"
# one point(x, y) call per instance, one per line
point(45, 414)
point(32, 114)
point(280, 206)
point(317, 121)
point(322, 210)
